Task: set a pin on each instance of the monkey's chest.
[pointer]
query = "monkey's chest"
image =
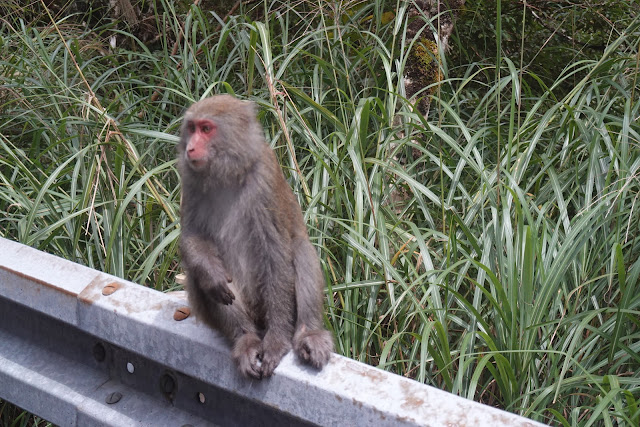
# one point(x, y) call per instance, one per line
point(239, 229)
point(233, 239)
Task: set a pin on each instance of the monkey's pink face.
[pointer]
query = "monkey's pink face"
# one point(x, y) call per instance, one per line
point(201, 134)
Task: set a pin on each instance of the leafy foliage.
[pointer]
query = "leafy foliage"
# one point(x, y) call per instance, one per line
point(507, 272)
point(544, 36)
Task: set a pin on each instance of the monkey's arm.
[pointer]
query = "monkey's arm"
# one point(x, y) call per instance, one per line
point(204, 267)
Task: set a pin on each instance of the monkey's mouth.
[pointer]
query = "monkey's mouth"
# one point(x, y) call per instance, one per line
point(197, 164)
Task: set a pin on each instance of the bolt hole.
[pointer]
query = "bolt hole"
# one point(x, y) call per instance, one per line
point(130, 367)
point(201, 397)
point(167, 384)
point(113, 397)
point(99, 352)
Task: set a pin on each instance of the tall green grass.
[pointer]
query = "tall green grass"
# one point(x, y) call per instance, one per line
point(507, 273)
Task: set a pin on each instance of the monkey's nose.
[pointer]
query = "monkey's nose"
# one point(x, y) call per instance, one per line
point(194, 155)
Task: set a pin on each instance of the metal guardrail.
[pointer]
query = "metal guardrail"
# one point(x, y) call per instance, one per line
point(82, 348)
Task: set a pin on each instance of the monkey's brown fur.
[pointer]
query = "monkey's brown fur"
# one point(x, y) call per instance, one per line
point(251, 271)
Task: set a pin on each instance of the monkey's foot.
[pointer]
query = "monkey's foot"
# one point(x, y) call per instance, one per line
point(247, 354)
point(313, 347)
point(273, 350)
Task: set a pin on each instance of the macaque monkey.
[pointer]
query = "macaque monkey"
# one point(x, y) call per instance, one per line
point(252, 273)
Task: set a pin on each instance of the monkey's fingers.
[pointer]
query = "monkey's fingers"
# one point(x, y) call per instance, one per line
point(273, 350)
point(222, 294)
point(269, 364)
point(227, 295)
point(314, 347)
point(250, 368)
point(247, 354)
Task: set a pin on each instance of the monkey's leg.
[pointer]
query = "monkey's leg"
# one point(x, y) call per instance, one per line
point(278, 304)
point(312, 342)
point(279, 320)
point(210, 295)
point(235, 323)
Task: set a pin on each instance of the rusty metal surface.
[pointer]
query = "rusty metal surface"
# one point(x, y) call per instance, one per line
point(70, 378)
point(42, 281)
point(135, 320)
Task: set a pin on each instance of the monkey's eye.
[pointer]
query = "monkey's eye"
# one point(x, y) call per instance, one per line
point(206, 128)
point(191, 127)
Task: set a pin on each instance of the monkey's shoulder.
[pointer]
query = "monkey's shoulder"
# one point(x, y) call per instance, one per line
point(269, 184)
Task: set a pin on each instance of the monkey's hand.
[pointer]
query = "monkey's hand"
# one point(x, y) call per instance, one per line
point(273, 350)
point(217, 288)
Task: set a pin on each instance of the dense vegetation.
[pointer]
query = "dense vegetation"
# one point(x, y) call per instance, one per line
point(490, 249)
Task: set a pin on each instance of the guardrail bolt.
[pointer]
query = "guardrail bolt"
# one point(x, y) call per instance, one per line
point(181, 313)
point(167, 384)
point(110, 288)
point(99, 352)
point(113, 397)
